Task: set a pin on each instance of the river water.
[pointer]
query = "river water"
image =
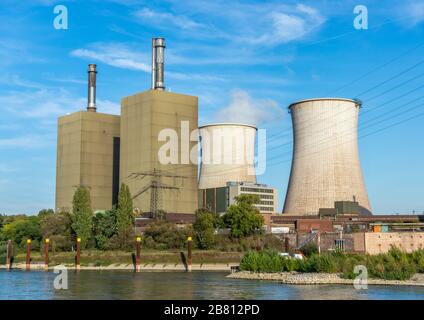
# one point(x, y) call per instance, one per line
point(179, 285)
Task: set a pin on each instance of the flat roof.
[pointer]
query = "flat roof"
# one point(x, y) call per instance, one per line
point(358, 102)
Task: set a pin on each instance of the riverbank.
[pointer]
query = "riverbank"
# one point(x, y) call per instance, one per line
point(130, 267)
point(121, 260)
point(320, 278)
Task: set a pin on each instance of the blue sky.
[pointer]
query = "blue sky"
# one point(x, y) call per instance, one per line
point(245, 60)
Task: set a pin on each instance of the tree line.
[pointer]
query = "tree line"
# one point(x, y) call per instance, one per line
point(115, 229)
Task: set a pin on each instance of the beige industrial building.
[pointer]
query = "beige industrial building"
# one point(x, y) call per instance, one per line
point(149, 122)
point(88, 155)
point(171, 187)
point(100, 151)
point(326, 166)
point(227, 154)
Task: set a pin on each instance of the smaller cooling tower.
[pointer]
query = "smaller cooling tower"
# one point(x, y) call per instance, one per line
point(227, 154)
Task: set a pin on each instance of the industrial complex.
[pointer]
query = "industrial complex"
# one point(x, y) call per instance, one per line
point(326, 198)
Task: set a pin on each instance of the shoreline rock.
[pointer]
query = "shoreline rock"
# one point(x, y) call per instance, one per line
point(320, 278)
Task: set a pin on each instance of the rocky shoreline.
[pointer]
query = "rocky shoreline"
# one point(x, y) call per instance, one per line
point(320, 278)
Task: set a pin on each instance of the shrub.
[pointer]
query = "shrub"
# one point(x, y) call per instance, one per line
point(166, 235)
point(309, 249)
point(262, 261)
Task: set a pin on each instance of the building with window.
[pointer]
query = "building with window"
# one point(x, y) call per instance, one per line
point(219, 199)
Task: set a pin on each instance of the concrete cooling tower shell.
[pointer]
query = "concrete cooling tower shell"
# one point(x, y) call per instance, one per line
point(227, 154)
point(325, 165)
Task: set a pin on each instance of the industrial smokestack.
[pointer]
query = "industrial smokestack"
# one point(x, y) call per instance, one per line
point(158, 66)
point(91, 105)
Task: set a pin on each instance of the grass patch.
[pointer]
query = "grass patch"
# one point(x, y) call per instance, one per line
point(106, 258)
point(393, 265)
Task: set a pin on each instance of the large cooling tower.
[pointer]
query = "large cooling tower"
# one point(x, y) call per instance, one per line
point(227, 154)
point(325, 165)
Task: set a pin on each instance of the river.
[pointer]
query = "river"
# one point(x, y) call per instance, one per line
point(20, 285)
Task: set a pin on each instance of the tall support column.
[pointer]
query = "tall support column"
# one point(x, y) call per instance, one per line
point(46, 254)
point(189, 254)
point(9, 255)
point(28, 255)
point(137, 257)
point(78, 256)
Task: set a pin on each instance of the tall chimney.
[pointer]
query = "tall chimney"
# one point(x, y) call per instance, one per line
point(91, 106)
point(158, 66)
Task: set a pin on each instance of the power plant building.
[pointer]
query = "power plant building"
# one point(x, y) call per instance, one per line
point(155, 185)
point(326, 167)
point(100, 151)
point(149, 122)
point(88, 154)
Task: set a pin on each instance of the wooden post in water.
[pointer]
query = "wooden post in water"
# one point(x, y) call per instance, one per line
point(78, 257)
point(46, 254)
point(189, 256)
point(9, 255)
point(28, 255)
point(137, 257)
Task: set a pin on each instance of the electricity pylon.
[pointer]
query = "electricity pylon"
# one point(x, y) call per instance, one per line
point(156, 186)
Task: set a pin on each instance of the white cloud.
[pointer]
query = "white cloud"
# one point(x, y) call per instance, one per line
point(40, 103)
point(106, 106)
point(287, 24)
point(415, 10)
point(49, 103)
point(16, 80)
point(256, 24)
point(167, 20)
point(122, 56)
point(116, 55)
point(243, 108)
point(26, 141)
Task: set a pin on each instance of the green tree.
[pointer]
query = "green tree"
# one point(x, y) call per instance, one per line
point(125, 217)
point(82, 215)
point(58, 228)
point(204, 228)
point(243, 218)
point(45, 212)
point(21, 229)
point(104, 228)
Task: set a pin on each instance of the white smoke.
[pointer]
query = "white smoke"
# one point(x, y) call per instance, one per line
point(244, 109)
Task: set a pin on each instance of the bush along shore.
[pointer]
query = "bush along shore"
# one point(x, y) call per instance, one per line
point(394, 267)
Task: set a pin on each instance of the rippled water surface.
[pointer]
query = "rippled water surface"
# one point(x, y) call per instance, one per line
point(180, 285)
